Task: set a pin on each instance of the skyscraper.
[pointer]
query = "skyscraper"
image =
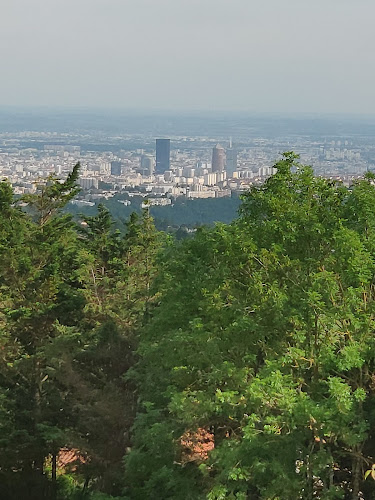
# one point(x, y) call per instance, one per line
point(163, 153)
point(231, 160)
point(147, 165)
point(115, 168)
point(218, 158)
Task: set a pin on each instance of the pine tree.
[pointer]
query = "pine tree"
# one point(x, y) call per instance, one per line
point(40, 299)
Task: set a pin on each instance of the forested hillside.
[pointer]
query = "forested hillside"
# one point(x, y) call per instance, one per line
point(183, 211)
point(236, 364)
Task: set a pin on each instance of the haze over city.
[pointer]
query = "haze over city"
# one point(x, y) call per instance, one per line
point(251, 55)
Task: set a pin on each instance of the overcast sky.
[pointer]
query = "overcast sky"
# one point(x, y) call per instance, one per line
point(257, 55)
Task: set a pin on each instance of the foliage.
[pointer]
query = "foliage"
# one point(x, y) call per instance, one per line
point(237, 363)
point(181, 213)
point(71, 302)
point(264, 336)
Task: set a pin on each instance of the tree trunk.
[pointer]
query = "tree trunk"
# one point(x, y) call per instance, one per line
point(356, 475)
point(54, 476)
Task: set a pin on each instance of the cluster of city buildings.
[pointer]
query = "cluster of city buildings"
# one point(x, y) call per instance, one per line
point(160, 176)
point(193, 168)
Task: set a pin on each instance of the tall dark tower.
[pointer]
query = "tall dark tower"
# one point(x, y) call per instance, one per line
point(163, 155)
point(115, 168)
point(231, 159)
point(218, 158)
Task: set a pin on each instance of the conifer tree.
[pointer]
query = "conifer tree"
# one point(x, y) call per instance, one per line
point(40, 298)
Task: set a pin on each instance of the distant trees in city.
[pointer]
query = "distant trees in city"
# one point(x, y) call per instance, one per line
point(236, 363)
point(183, 212)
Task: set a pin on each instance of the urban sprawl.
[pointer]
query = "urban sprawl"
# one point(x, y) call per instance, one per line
point(166, 168)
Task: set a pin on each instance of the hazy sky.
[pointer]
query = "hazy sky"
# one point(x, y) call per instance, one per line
point(259, 55)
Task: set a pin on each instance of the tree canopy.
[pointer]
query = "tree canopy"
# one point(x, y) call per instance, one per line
point(264, 338)
point(238, 363)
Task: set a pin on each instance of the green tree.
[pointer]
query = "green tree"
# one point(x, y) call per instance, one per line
point(40, 295)
point(116, 279)
point(264, 337)
point(72, 299)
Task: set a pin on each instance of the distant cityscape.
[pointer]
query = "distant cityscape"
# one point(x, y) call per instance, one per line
point(163, 168)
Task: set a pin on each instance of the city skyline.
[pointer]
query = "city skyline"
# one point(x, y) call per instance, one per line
point(191, 167)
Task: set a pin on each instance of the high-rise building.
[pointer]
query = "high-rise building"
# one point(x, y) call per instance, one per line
point(218, 158)
point(163, 154)
point(266, 171)
point(105, 167)
point(88, 183)
point(147, 165)
point(231, 165)
point(115, 168)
